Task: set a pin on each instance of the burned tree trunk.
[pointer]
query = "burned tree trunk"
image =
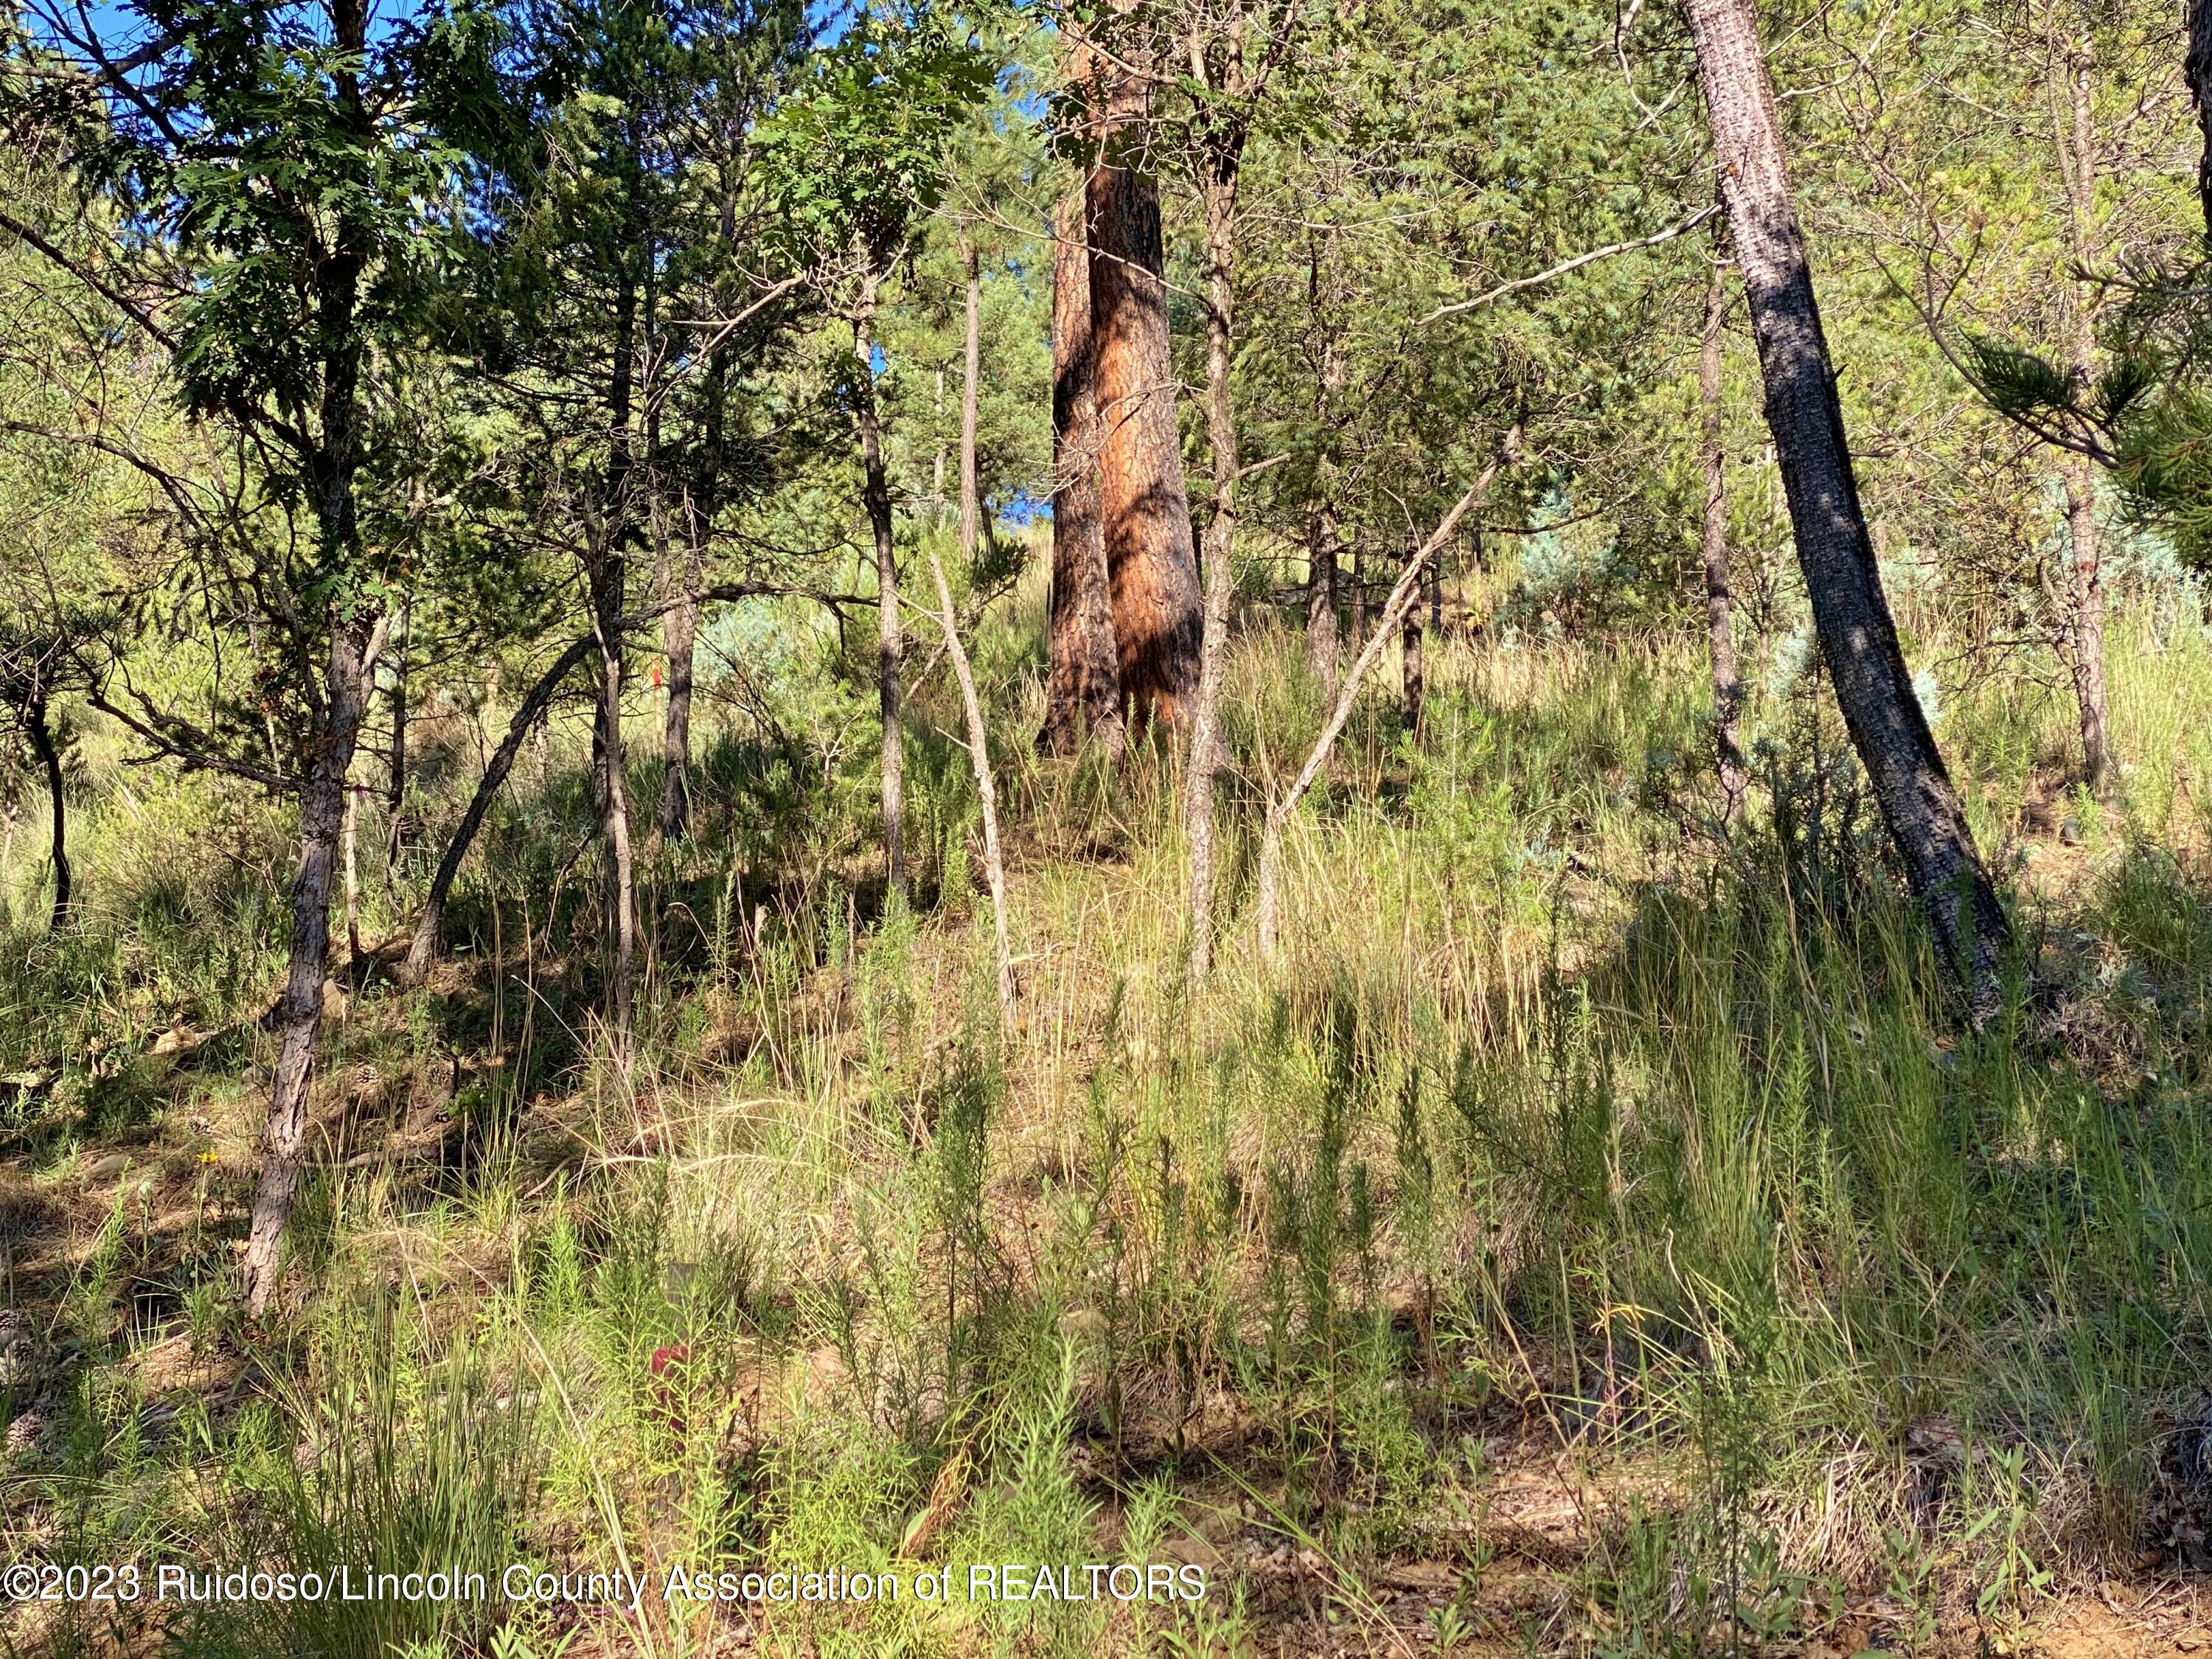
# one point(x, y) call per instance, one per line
point(1083, 687)
point(1859, 637)
point(1146, 511)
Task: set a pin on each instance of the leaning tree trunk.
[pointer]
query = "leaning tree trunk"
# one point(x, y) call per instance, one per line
point(49, 759)
point(528, 719)
point(876, 495)
point(2077, 153)
point(1859, 637)
point(1083, 686)
point(300, 1011)
point(1720, 625)
point(1157, 624)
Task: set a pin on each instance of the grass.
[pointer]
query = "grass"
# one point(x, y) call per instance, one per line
point(1600, 1240)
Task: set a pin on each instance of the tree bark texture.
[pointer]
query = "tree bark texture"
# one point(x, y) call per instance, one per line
point(875, 496)
point(1144, 506)
point(50, 761)
point(1720, 624)
point(1082, 685)
point(1859, 637)
point(330, 460)
point(300, 1011)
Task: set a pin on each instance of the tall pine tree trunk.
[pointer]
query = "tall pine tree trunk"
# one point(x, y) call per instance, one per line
point(1858, 638)
point(1720, 622)
point(1083, 686)
point(2076, 131)
point(875, 496)
point(1157, 624)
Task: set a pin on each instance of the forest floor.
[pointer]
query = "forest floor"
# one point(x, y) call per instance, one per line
point(1599, 1237)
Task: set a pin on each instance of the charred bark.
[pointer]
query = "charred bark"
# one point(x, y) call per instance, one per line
point(1859, 637)
point(1083, 687)
point(1145, 508)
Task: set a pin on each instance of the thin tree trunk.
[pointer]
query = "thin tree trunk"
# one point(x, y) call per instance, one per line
point(528, 721)
point(681, 636)
point(50, 758)
point(1157, 621)
point(1859, 637)
point(1412, 670)
point(979, 755)
point(395, 791)
point(1219, 183)
point(614, 806)
point(300, 1011)
point(1359, 588)
point(970, 391)
point(1720, 631)
point(608, 580)
point(1083, 687)
point(2076, 134)
point(1394, 609)
point(2197, 70)
point(876, 495)
point(1321, 594)
point(1321, 632)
